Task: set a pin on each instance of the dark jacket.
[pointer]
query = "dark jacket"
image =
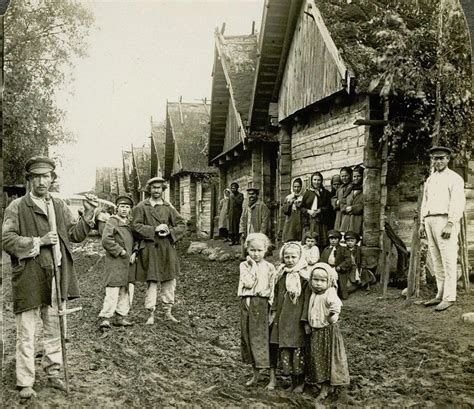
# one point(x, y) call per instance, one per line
point(117, 236)
point(319, 223)
point(32, 277)
point(343, 266)
point(235, 211)
point(157, 259)
point(287, 329)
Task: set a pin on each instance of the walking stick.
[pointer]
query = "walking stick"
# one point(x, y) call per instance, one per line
point(61, 313)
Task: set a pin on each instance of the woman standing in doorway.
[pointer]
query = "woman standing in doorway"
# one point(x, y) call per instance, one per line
point(293, 228)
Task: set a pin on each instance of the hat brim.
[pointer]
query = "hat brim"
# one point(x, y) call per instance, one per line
point(40, 170)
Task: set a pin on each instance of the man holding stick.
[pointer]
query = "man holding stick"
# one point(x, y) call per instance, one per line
point(37, 231)
point(441, 209)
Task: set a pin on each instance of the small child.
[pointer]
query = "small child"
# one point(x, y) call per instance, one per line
point(338, 256)
point(327, 359)
point(257, 278)
point(288, 330)
point(359, 276)
point(117, 240)
point(310, 250)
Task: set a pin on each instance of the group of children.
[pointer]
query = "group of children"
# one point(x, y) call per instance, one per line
point(289, 316)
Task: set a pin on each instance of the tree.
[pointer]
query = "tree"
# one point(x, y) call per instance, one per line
point(41, 39)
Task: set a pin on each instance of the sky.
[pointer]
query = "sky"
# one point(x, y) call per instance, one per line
point(141, 53)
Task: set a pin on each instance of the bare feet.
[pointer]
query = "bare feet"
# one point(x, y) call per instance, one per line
point(27, 393)
point(299, 388)
point(272, 384)
point(254, 379)
point(151, 319)
point(323, 393)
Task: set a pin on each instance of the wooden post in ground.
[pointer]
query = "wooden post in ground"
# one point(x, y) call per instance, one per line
point(387, 257)
point(413, 273)
point(464, 252)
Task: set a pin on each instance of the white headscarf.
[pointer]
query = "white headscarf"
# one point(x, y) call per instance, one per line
point(292, 196)
point(330, 271)
point(292, 280)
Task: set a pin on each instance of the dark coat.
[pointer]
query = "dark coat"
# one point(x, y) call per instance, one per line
point(293, 227)
point(287, 329)
point(319, 223)
point(259, 219)
point(157, 258)
point(117, 236)
point(356, 201)
point(32, 277)
point(338, 203)
point(343, 266)
point(235, 211)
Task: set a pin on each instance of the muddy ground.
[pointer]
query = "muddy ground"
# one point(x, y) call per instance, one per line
point(399, 355)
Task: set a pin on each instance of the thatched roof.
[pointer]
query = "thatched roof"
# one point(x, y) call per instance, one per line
point(187, 131)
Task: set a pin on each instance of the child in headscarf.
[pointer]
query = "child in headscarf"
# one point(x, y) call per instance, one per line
point(327, 359)
point(257, 278)
point(287, 308)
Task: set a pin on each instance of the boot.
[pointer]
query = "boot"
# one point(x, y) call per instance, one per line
point(168, 316)
point(151, 318)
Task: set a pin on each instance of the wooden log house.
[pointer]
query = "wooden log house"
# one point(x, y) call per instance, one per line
point(158, 135)
point(190, 177)
point(109, 183)
point(140, 172)
point(327, 118)
point(242, 154)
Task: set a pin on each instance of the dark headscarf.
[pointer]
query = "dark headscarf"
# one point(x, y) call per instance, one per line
point(358, 186)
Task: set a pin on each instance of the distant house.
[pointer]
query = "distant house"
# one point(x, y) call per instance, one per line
point(140, 172)
point(190, 177)
point(311, 79)
point(158, 136)
point(242, 154)
point(109, 183)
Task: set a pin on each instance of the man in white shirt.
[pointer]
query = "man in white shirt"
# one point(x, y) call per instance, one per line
point(442, 208)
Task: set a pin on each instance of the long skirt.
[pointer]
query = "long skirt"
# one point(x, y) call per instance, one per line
point(254, 331)
point(292, 361)
point(327, 357)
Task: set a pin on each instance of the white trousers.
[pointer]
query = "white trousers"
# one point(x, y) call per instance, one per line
point(166, 294)
point(444, 254)
point(25, 342)
point(117, 300)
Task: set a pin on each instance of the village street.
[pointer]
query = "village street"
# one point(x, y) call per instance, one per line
point(399, 355)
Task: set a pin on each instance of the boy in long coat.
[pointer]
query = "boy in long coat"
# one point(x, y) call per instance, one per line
point(119, 270)
point(36, 228)
point(158, 226)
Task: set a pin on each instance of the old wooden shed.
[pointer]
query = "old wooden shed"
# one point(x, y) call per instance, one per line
point(190, 177)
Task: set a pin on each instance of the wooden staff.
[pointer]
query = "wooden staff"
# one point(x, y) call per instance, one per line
point(61, 312)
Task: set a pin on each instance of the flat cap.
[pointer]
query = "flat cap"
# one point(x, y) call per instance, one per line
point(123, 199)
point(156, 179)
point(444, 149)
point(352, 235)
point(335, 233)
point(253, 189)
point(39, 165)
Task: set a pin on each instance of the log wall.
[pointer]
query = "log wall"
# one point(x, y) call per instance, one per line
point(184, 196)
point(327, 142)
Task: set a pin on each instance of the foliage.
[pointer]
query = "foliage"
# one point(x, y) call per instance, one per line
point(394, 48)
point(41, 39)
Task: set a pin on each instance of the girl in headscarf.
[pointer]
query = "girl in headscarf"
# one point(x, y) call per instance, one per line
point(224, 215)
point(327, 359)
point(293, 228)
point(288, 329)
point(339, 202)
point(354, 209)
point(315, 208)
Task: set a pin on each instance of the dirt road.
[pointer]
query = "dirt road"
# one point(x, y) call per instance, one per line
point(398, 355)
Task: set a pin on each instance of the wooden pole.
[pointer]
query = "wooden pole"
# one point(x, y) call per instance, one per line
point(413, 273)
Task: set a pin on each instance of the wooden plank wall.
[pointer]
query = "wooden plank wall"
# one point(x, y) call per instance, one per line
point(283, 175)
point(240, 171)
point(192, 199)
point(327, 142)
point(310, 73)
point(184, 196)
point(205, 209)
point(232, 136)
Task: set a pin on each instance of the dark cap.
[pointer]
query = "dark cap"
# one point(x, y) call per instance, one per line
point(253, 189)
point(352, 235)
point(443, 149)
point(39, 165)
point(123, 199)
point(335, 233)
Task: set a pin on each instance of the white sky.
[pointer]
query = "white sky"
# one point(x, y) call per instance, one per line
point(141, 53)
